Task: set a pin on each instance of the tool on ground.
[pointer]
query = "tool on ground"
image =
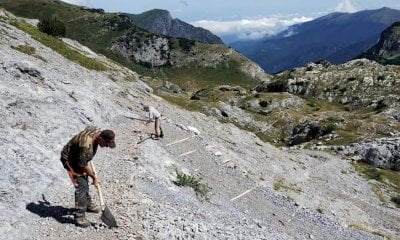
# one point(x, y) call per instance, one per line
point(139, 119)
point(144, 139)
point(106, 215)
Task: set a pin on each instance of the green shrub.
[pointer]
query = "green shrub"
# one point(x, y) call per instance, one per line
point(185, 180)
point(52, 26)
point(278, 184)
point(328, 126)
point(186, 44)
point(320, 210)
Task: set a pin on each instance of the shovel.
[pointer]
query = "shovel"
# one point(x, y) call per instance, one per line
point(106, 215)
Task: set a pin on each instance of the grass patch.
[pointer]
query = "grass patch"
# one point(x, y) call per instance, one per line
point(60, 47)
point(29, 50)
point(365, 229)
point(26, 48)
point(373, 173)
point(278, 184)
point(190, 105)
point(194, 78)
point(386, 179)
point(378, 192)
point(186, 180)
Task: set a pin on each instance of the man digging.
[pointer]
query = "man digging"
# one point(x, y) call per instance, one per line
point(154, 116)
point(75, 157)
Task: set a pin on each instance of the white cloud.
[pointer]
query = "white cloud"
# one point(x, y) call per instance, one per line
point(346, 6)
point(250, 28)
point(77, 2)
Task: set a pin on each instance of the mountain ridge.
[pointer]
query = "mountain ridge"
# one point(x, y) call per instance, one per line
point(345, 37)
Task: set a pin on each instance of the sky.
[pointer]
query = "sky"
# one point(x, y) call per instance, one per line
point(240, 19)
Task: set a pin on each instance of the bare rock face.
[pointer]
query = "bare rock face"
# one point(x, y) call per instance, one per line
point(380, 156)
point(160, 21)
point(153, 52)
point(387, 50)
point(383, 153)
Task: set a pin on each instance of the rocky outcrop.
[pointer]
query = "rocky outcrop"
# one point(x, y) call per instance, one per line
point(358, 83)
point(382, 153)
point(160, 21)
point(151, 51)
point(387, 50)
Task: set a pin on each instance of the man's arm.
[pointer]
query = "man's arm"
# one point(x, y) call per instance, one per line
point(71, 176)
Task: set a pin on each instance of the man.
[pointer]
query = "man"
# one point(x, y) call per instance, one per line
point(75, 157)
point(155, 116)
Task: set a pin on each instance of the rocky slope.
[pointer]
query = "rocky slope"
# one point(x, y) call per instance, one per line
point(319, 104)
point(255, 191)
point(160, 21)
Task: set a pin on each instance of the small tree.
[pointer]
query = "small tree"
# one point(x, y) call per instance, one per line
point(52, 26)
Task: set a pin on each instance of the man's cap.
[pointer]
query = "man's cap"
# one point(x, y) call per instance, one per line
point(109, 137)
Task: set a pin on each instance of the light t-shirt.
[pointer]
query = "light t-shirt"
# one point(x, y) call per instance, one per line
point(153, 113)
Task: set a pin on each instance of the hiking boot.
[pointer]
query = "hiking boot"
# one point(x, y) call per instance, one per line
point(161, 135)
point(82, 222)
point(93, 208)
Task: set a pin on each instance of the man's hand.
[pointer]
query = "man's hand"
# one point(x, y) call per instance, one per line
point(71, 176)
point(96, 181)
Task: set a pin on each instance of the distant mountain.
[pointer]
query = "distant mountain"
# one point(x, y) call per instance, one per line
point(337, 37)
point(387, 50)
point(160, 21)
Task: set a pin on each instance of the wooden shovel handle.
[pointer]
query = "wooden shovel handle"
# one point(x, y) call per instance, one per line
point(98, 188)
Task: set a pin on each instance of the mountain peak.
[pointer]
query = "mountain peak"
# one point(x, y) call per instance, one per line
point(158, 13)
point(160, 21)
point(387, 50)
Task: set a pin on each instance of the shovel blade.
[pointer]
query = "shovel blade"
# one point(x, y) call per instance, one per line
point(108, 218)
